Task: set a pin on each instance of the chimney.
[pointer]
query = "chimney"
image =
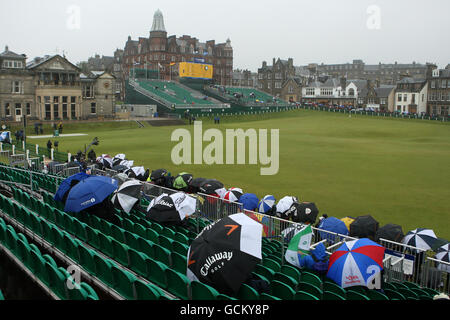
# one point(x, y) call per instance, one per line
point(264, 64)
point(291, 62)
point(343, 83)
point(273, 62)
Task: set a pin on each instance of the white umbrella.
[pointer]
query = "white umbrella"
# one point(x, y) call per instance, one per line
point(420, 238)
point(285, 204)
point(127, 195)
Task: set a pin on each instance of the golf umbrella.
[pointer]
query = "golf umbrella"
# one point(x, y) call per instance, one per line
point(390, 231)
point(181, 182)
point(355, 263)
point(333, 225)
point(286, 206)
point(348, 221)
point(443, 254)
point(171, 209)
point(225, 253)
point(158, 177)
point(420, 238)
point(135, 172)
point(118, 158)
point(364, 227)
point(89, 192)
point(214, 188)
point(266, 203)
point(126, 196)
point(68, 183)
point(439, 242)
point(120, 168)
point(105, 161)
point(233, 194)
point(121, 178)
point(127, 163)
point(194, 185)
point(306, 213)
point(249, 201)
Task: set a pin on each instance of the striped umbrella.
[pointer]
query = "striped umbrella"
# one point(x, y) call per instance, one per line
point(233, 194)
point(266, 203)
point(443, 253)
point(420, 238)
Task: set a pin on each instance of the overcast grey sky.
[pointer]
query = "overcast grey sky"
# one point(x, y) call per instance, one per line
point(328, 31)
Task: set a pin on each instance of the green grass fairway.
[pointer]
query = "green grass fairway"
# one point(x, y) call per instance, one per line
point(395, 170)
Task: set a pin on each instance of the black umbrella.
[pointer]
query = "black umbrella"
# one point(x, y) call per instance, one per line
point(120, 168)
point(211, 186)
point(226, 252)
point(128, 194)
point(306, 212)
point(194, 185)
point(171, 210)
point(364, 227)
point(390, 231)
point(158, 177)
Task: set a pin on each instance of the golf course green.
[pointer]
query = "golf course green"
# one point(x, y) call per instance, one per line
point(396, 170)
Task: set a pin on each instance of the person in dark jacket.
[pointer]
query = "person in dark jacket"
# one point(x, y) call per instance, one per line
point(49, 147)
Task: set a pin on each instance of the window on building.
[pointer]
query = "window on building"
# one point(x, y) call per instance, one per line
point(260, 76)
point(278, 84)
point(405, 97)
point(269, 76)
point(351, 92)
point(269, 86)
point(413, 99)
point(93, 108)
point(291, 89)
point(88, 91)
point(17, 87)
point(48, 110)
point(73, 107)
point(55, 107)
point(64, 107)
point(433, 84)
point(278, 75)
point(28, 108)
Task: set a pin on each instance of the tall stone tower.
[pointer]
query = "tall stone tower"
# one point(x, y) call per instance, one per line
point(158, 34)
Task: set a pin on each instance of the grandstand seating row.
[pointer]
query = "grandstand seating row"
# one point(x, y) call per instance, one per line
point(145, 260)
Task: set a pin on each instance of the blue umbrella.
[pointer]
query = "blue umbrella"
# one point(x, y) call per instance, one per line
point(66, 185)
point(266, 204)
point(249, 201)
point(89, 192)
point(332, 224)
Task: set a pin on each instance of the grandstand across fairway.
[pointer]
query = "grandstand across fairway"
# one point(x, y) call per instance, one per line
point(394, 170)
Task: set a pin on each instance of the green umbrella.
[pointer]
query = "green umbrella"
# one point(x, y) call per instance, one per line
point(438, 243)
point(182, 181)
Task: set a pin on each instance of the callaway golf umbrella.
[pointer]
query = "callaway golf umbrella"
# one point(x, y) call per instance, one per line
point(171, 209)
point(390, 231)
point(306, 213)
point(89, 192)
point(286, 206)
point(127, 195)
point(364, 227)
point(67, 184)
point(266, 204)
point(225, 253)
point(233, 194)
point(421, 238)
point(333, 225)
point(182, 181)
point(355, 263)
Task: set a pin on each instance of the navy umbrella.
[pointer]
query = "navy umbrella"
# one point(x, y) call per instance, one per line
point(334, 225)
point(390, 231)
point(249, 201)
point(68, 183)
point(364, 227)
point(89, 192)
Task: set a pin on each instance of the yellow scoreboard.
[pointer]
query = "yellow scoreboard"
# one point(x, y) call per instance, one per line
point(195, 70)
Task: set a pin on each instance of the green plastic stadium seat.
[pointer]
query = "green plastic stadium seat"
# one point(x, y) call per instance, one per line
point(311, 278)
point(151, 235)
point(291, 282)
point(103, 270)
point(92, 237)
point(264, 271)
point(123, 282)
point(272, 264)
point(156, 273)
point(117, 233)
point(165, 242)
point(180, 237)
point(409, 294)
point(145, 291)
point(106, 244)
point(310, 288)
point(146, 247)
point(180, 248)
point(376, 295)
point(301, 295)
point(329, 295)
point(179, 262)
point(394, 294)
point(202, 291)
point(177, 284)
point(265, 296)
point(162, 255)
point(246, 292)
point(138, 262)
point(354, 295)
point(57, 281)
point(281, 290)
point(87, 258)
point(291, 271)
point(411, 285)
point(131, 240)
point(333, 287)
point(120, 252)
